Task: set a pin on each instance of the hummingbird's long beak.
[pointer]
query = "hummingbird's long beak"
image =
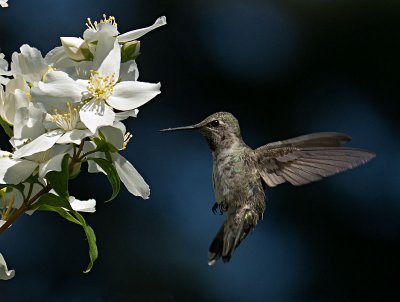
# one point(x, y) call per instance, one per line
point(193, 127)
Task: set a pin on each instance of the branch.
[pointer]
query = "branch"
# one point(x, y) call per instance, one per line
point(25, 207)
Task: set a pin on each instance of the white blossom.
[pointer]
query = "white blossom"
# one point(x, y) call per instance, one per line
point(3, 3)
point(70, 104)
point(5, 273)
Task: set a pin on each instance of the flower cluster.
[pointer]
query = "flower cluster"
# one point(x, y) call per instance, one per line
point(62, 110)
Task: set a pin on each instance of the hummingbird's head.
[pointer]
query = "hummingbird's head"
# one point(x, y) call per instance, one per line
point(220, 129)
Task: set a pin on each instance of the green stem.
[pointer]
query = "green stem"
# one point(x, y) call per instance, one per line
point(29, 192)
point(87, 153)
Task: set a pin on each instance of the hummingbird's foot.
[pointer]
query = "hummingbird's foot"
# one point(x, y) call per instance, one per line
point(222, 207)
point(215, 207)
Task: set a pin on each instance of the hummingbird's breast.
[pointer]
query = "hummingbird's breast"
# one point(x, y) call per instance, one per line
point(236, 180)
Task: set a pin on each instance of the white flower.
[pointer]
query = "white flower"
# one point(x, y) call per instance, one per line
point(15, 170)
point(129, 176)
point(137, 33)
point(108, 27)
point(29, 63)
point(88, 206)
point(106, 94)
point(3, 3)
point(28, 125)
point(76, 48)
point(3, 70)
point(57, 89)
point(65, 129)
point(5, 274)
point(101, 92)
point(15, 96)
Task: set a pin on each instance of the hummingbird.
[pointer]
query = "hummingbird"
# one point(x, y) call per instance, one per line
point(241, 174)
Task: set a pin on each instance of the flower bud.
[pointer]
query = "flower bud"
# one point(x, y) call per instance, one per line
point(76, 49)
point(130, 51)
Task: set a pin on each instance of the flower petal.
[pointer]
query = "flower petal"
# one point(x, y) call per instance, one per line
point(83, 205)
point(95, 114)
point(129, 71)
point(5, 274)
point(107, 57)
point(76, 48)
point(54, 164)
point(131, 178)
point(17, 83)
point(132, 94)
point(74, 136)
point(42, 143)
point(57, 58)
point(4, 66)
point(135, 34)
point(12, 102)
point(28, 123)
point(14, 171)
point(114, 135)
point(57, 89)
point(104, 30)
point(123, 115)
point(92, 166)
point(29, 63)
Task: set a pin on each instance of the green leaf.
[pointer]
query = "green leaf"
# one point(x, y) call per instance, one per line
point(93, 251)
point(59, 180)
point(6, 127)
point(112, 175)
point(52, 200)
point(62, 212)
point(91, 237)
point(49, 203)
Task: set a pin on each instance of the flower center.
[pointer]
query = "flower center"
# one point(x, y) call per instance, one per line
point(95, 25)
point(28, 96)
point(100, 87)
point(66, 120)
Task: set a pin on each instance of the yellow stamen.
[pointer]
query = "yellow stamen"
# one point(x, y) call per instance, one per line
point(28, 96)
point(100, 87)
point(127, 138)
point(66, 120)
point(95, 25)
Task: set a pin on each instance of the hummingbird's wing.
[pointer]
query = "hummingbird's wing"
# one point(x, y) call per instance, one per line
point(307, 158)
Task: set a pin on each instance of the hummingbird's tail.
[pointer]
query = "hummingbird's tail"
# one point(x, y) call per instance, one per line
point(232, 232)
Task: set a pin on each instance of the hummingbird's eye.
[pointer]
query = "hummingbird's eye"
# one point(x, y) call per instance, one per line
point(214, 123)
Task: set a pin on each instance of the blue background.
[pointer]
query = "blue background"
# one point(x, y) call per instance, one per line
point(283, 68)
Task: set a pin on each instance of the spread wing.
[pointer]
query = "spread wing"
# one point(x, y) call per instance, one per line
point(307, 158)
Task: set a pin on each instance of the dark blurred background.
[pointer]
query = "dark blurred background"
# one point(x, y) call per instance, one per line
point(283, 68)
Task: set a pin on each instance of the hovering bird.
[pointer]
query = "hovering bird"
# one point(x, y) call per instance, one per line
point(241, 174)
